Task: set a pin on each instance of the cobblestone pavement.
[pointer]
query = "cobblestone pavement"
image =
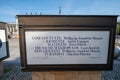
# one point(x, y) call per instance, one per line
point(12, 69)
point(12, 65)
point(112, 75)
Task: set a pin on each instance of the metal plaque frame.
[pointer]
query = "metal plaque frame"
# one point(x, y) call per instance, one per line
point(66, 67)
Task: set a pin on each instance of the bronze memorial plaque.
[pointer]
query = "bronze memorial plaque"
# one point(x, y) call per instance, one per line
point(67, 47)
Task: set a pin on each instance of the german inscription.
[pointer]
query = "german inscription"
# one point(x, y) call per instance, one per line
point(67, 47)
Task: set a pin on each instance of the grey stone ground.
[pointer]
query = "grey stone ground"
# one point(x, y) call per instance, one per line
point(12, 69)
point(12, 65)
